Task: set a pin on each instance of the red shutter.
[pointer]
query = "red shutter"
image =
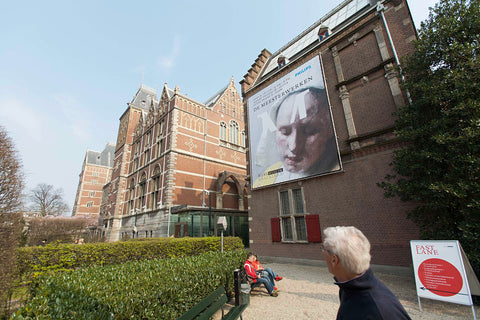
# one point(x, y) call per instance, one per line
point(275, 223)
point(313, 228)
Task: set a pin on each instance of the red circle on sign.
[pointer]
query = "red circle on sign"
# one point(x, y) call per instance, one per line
point(440, 277)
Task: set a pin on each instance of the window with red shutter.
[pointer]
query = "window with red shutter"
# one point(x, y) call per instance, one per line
point(292, 216)
point(313, 228)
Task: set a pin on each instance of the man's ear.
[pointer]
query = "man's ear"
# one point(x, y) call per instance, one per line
point(334, 260)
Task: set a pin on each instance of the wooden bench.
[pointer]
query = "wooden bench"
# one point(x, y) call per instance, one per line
point(247, 279)
point(206, 308)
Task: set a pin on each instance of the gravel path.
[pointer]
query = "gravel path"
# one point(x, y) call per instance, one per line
point(308, 292)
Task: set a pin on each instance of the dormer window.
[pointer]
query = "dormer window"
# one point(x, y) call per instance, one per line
point(282, 61)
point(323, 32)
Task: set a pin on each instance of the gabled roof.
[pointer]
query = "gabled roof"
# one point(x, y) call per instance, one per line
point(108, 154)
point(211, 102)
point(93, 157)
point(140, 124)
point(169, 92)
point(335, 18)
point(104, 158)
point(143, 98)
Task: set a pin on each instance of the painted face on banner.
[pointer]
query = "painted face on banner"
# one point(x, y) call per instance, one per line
point(302, 131)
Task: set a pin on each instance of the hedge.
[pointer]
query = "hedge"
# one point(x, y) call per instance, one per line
point(34, 261)
point(149, 289)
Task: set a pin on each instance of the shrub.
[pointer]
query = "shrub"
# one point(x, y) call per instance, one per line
point(10, 229)
point(34, 261)
point(57, 229)
point(149, 289)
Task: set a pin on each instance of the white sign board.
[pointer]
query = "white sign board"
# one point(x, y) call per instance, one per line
point(222, 222)
point(440, 271)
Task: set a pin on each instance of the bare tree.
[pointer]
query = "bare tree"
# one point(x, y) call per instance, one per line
point(11, 175)
point(11, 187)
point(47, 200)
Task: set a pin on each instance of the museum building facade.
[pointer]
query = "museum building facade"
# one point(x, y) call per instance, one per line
point(96, 171)
point(349, 58)
point(179, 164)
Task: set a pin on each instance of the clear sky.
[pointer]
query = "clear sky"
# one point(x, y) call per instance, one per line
point(68, 68)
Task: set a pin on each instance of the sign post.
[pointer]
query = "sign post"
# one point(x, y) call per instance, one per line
point(222, 225)
point(443, 272)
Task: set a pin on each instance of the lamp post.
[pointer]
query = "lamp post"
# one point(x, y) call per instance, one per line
point(209, 214)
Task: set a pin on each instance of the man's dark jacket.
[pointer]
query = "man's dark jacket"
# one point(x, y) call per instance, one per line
point(366, 297)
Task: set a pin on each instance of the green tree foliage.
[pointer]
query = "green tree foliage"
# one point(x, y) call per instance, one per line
point(439, 167)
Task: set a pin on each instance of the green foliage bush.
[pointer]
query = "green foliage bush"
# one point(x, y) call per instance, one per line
point(34, 261)
point(438, 168)
point(148, 289)
point(10, 229)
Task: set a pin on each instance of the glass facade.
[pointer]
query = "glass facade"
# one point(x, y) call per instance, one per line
point(204, 224)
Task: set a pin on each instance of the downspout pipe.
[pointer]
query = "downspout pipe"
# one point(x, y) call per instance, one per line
point(380, 9)
point(204, 155)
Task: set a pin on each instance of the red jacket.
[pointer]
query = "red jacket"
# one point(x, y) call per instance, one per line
point(250, 269)
point(257, 265)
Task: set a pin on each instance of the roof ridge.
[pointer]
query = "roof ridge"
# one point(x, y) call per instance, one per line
point(306, 38)
point(217, 94)
point(313, 26)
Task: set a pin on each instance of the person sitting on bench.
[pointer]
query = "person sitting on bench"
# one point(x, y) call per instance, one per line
point(257, 278)
point(266, 272)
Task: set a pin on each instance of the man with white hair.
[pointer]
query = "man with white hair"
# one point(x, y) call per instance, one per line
point(362, 295)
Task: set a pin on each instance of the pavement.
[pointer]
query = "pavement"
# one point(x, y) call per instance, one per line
point(307, 291)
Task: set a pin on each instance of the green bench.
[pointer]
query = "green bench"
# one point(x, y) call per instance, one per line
point(206, 308)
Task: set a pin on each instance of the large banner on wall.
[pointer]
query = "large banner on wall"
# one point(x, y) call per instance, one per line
point(291, 131)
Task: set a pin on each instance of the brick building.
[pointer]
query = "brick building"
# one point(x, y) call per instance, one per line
point(96, 171)
point(346, 61)
point(179, 164)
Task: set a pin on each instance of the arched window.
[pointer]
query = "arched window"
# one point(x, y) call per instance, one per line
point(159, 130)
point(142, 185)
point(146, 140)
point(233, 138)
point(131, 195)
point(223, 131)
point(159, 148)
point(155, 188)
point(146, 157)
